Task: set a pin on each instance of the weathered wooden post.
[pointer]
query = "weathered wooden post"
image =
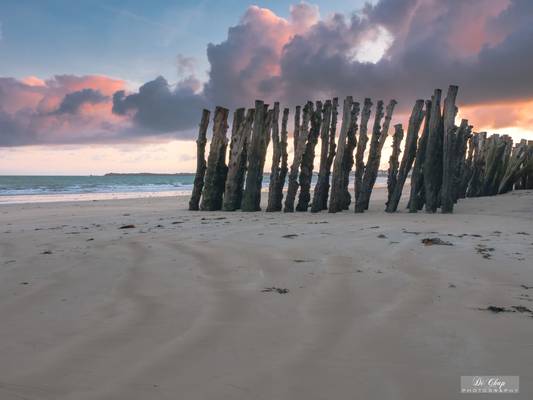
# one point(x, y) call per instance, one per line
point(303, 134)
point(394, 163)
point(466, 172)
point(379, 136)
point(332, 149)
point(517, 159)
point(415, 121)
point(448, 155)
point(201, 165)
point(361, 147)
point(306, 169)
point(251, 200)
point(277, 177)
point(374, 143)
point(321, 183)
point(478, 165)
point(235, 164)
point(277, 150)
point(336, 197)
point(493, 161)
point(417, 194)
point(215, 175)
point(459, 164)
point(433, 160)
point(348, 160)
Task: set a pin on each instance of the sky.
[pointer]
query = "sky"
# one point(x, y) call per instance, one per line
point(94, 86)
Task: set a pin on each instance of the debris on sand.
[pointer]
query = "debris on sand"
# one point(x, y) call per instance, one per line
point(382, 236)
point(485, 251)
point(512, 309)
point(522, 309)
point(275, 289)
point(301, 261)
point(130, 226)
point(47, 252)
point(212, 218)
point(435, 241)
point(527, 287)
point(522, 233)
point(290, 236)
point(496, 309)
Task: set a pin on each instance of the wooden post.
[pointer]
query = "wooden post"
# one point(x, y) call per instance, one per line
point(277, 148)
point(394, 164)
point(415, 121)
point(296, 133)
point(306, 170)
point(275, 201)
point(361, 147)
point(467, 170)
point(417, 194)
point(201, 165)
point(448, 155)
point(512, 173)
point(235, 165)
point(321, 183)
point(493, 160)
point(335, 202)
point(251, 200)
point(433, 160)
point(298, 154)
point(215, 175)
point(348, 160)
point(459, 165)
point(478, 166)
point(379, 136)
point(332, 150)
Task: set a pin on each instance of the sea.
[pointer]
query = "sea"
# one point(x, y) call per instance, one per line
point(38, 189)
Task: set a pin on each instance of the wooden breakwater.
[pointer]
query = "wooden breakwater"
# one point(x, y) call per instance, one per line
point(446, 162)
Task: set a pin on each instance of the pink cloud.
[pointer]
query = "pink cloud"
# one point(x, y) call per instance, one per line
point(29, 109)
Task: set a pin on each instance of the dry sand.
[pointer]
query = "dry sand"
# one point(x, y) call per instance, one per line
point(174, 308)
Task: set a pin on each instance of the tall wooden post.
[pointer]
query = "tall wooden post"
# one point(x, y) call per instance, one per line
point(321, 183)
point(251, 200)
point(277, 150)
point(332, 149)
point(361, 147)
point(433, 160)
point(337, 193)
point(348, 160)
point(276, 189)
point(241, 128)
point(448, 155)
point(215, 176)
point(394, 163)
point(298, 154)
point(201, 165)
point(306, 169)
point(379, 136)
point(415, 121)
point(417, 194)
point(478, 166)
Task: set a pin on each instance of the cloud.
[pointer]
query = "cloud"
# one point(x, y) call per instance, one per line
point(400, 49)
point(63, 109)
point(159, 108)
point(72, 102)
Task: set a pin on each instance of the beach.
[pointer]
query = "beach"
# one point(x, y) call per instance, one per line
point(141, 299)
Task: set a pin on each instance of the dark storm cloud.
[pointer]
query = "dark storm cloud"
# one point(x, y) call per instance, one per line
point(158, 107)
point(72, 102)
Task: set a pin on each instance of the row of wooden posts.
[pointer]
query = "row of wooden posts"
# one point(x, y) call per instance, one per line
point(446, 162)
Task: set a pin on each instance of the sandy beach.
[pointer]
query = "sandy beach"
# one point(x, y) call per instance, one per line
point(185, 305)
